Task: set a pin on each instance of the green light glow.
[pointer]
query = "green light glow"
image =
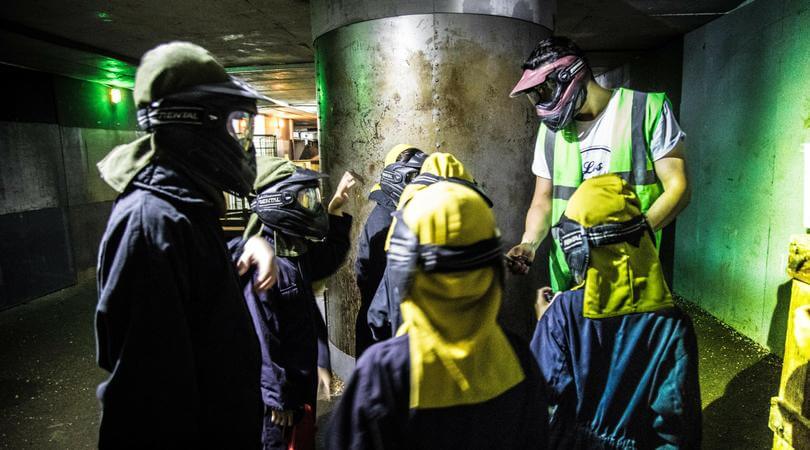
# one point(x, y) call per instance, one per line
point(745, 103)
point(115, 96)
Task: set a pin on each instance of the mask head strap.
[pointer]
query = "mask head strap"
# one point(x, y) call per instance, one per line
point(576, 240)
point(272, 200)
point(405, 248)
point(155, 115)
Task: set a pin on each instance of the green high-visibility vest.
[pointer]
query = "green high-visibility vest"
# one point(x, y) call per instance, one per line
point(634, 120)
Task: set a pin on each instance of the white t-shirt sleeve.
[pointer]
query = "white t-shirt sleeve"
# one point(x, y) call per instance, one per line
point(666, 135)
point(539, 165)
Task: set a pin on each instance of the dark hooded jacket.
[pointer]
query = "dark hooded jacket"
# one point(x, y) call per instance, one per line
point(171, 324)
point(369, 268)
point(285, 317)
point(625, 382)
point(374, 412)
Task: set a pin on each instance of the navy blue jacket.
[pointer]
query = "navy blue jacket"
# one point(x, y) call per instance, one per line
point(171, 324)
point(369, 268)
point(624, 382)
point(374, 410)
point(285, 318)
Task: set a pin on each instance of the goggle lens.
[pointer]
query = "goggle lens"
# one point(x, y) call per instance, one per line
point(240, 127)
point(309, 198)
point(542, 93)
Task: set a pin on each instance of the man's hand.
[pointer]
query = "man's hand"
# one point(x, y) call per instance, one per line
point(282, 418)
point(259, 253)
point(519, 258)
point(544, 298)
point(347, 182)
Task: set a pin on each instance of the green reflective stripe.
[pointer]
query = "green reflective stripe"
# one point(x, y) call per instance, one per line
point(620, 140)
point(562, 192)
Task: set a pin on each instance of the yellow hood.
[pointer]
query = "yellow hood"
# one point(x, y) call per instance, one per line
point(621, 278)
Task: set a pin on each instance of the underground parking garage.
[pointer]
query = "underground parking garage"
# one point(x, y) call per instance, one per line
point(342, 83)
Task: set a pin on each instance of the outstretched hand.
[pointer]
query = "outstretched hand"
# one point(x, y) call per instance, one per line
point(519, 258)
point(347, 182)
point(259, 253)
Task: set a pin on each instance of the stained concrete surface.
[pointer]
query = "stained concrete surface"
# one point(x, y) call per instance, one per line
point(48, 377)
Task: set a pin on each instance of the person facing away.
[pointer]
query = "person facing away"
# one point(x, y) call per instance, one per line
point(618, 358)
point(383, 315)
point(310, 243)
point(402, 164)
point(587, 131)
point(452, 378)
point(172, 328)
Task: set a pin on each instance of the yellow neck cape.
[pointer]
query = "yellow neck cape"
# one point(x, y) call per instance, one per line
point(459, 354)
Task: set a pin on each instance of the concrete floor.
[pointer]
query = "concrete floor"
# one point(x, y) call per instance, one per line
point(48, 377)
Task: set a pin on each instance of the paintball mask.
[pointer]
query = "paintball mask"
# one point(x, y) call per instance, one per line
point(397, 175)
point(557, 90)
point(220, 116)
point(576, 240)
point(426, 179)
point(293, 206)
point(406, 256)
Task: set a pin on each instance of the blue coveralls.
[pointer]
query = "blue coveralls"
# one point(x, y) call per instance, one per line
point(623, 382)
point(172, 328)
point(285, 319)
point(369, 268)
point(374, 410)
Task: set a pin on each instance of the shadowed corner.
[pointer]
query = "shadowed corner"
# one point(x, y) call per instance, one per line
point(779, 319)
point(737, 380)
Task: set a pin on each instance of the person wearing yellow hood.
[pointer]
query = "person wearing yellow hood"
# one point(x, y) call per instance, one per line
point(383, 315)
point(402, 164)
point(619, 359)
point(452, 378)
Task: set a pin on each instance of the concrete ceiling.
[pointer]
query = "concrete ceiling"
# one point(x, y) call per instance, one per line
point(268, 42)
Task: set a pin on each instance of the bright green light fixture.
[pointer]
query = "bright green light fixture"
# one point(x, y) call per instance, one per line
point(115, 96)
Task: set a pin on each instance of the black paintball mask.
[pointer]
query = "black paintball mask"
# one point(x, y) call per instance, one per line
point(293, 206)
point(426, 179)
point(576, 240)
point(210, 127)
point(399, 174)
point(406, 256)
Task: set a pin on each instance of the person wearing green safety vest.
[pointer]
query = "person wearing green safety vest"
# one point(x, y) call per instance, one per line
point(586, 131)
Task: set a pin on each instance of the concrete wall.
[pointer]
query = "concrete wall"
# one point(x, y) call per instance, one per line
point(53, 205)
point(746, 109)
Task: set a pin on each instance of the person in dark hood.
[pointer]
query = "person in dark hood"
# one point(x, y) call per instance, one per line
point(451, 378)
point(402, 164)
point(172, 328)
point(311, 242)
point(619, 359)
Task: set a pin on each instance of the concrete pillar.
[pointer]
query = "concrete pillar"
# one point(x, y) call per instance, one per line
point(435, 74)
